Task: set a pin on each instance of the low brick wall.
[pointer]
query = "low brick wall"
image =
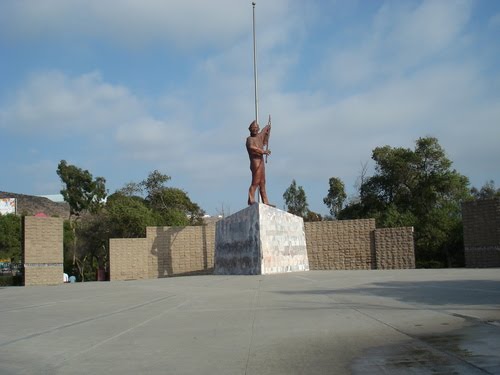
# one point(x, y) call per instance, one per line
point(340, 244)
point(482, 256)
point(128, 258)
point(43, 250)
point(394, 248)
point(176, 251)
point(166, 251)
point(481, 222)
point(331, 245)
point(43, 274)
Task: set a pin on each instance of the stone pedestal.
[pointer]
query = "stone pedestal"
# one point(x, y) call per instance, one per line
point(260, 240)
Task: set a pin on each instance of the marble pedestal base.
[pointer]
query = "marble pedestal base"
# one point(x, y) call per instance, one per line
point(260, 240)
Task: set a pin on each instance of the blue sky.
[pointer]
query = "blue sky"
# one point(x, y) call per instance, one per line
point(122, 88)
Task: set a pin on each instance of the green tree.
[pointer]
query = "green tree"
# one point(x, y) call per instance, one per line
point(336, 196)
point(172, 206)
point(176, 208)
point(10, 237)
point(121, 217)
point(83, 194)
point(68, 248)
point(416, 188)
point(128, 216)
point(296, 200)
point(312, 216)
point(154, 184)
point(81, 191)
point(487, 191)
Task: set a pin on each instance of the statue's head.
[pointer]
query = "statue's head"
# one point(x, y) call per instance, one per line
point(254, 128)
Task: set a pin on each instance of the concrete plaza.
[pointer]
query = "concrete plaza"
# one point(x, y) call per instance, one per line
point(319, 322)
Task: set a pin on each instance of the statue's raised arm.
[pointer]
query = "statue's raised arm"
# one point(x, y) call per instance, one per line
point(267, 130)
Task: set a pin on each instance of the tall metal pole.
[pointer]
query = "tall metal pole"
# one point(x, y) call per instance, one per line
point(255, 69)
point(255, 77)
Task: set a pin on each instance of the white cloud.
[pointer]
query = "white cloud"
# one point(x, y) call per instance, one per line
point(54, 103)
point(185, 24)
point(400, 38)
point(428, 29)
point(39, 175)
point(315, 137)
point(151, 139)
point(390, 84)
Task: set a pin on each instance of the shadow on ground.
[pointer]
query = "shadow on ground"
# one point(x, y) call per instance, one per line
point(474, 349)
point(437, 293)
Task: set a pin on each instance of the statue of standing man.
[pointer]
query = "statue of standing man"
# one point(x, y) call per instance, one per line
point(255, 147)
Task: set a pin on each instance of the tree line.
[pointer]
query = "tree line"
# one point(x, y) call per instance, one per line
point(95, 217)
point(415, 188)
point(410, 187)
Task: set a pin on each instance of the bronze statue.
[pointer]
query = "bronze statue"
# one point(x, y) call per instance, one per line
point(255, 147)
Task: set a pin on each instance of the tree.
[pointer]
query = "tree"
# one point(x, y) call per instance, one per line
point(176, 208)
point(170, 206)
point(336, 196)
point(312, 216)
point(93, 244)
point(83, 194)
point(128, 217)
point(121, 217)
point(416, 188)
point(296, 200)
point(173, 205)
point(68, 247)
point(487, 191)
point(10, 238)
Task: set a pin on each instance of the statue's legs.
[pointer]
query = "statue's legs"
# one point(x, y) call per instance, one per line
point(263, 193)
point(258, 181)
point(251, 194)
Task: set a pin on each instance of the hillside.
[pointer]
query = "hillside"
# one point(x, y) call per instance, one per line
point(31, 205)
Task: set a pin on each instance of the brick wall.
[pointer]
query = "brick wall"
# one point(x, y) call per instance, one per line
point(394, 248)
point(176, 251)
point(128, 258)
point(166, 251)
point(340, 244)
point(481, 222)
point(43, 250)
point(331, 245)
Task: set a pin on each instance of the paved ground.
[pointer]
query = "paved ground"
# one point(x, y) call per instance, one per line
point(318, 322)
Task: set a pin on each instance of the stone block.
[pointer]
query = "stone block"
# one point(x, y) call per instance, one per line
point(260, 240)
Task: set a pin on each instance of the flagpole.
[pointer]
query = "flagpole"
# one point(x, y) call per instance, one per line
point(255, 69)
point(255, 76)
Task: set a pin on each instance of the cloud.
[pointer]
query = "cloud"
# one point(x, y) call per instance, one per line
point(401, 71)
point(185, 24)
point(53, 103)
point(400, 38)
point(428, 29)
point(39, 175)
point(152, 139)
point(316, 136)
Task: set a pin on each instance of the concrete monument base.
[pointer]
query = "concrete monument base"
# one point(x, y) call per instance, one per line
point(260, 240)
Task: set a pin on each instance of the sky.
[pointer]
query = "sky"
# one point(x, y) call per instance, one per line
point(125, 87)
